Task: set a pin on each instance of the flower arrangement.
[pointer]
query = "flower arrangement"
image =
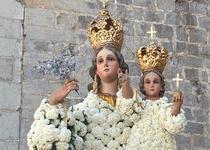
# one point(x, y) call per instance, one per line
point(59, 66)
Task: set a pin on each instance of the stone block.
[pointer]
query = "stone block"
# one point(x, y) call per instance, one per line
point(11, 9)
point(173, 19)
point(79, 6)
point(194, 128)
point(128, 28)
point(181, 6)
point(133, 69)
point(164, 31)
point(144, 3)
point(128, 2)
point(181, 34)
point(191, 74)
point(198, 7)
point(188, 114)
point(44, 4)
point(10, 47)
point(201, 115)
point(200, 141)
point(197, 35)
point(49, 34)
point(205, 22)
point(134, 81)
point(6, 68)
point(182, 142)
point(40, 17)
point(141, 29)
point(205, 52)
point(68, 21)
point(193, 49)
point(188, 19)
point(153, 16)
point(10, 95)
point(84, 21)
point(9, 145)
point(166, 5)
point(191, 61)
point(27, 119)
point(181, 47)
point(204, 76)
point(168, 46)
point(10, 28)
point(9, 125)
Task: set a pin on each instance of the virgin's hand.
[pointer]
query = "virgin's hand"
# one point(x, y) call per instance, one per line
point(177, 102)
point(59, 94)
point(123, 77)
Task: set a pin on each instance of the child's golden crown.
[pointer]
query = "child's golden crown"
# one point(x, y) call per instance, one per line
point(152, 56)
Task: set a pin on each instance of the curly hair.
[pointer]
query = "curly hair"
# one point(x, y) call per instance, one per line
point(141, 83)
point(93, 68)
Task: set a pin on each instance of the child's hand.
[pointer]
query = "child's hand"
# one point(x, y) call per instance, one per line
point(177, 102)
point(123, 77)
point(59, 94)
point(127, 91)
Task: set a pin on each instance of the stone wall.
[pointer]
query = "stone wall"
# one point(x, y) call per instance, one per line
point(32, 30)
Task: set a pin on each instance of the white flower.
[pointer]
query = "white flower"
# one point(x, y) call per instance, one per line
point(113, 144)
point(99, 118)
point(98, 132)
point(65, 135)
point(62, 146)
point(78, 142)
point(113, 118)
point(78, 115)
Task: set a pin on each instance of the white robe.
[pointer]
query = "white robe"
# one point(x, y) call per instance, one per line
point(91, 124)
point(154, 126)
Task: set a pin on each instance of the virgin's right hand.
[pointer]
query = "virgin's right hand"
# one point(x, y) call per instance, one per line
point(59, 94)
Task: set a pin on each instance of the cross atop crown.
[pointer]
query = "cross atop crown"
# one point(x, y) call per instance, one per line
point(152, 32)
point(104, 2)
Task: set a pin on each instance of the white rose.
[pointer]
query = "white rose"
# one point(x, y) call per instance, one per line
point(62, 146)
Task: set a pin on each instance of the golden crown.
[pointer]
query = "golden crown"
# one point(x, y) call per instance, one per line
point(105, 29)
point(152, 57)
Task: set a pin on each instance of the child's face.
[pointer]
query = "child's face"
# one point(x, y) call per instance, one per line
point(152, 86)
point(107, 65)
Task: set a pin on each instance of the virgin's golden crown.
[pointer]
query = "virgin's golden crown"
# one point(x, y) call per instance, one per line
point(152, 57)
point(105, 29)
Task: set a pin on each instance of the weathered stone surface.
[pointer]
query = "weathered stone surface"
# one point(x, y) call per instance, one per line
point(205, 22)
point(182, 142)
point(15, 10)
point(194, 128)
point(188, 114)
point(173, 18)
point(198, 7)
point(9, 145)
point(9, 125)
point(193, 49)
point(45, 4)
point(166, 5)
point(181, 6)
point(78, 6)
point(164, 31)
point(144, 3)
point(41, 17)
point(10, 95)
point(10, 28)
point(200, 115)
point(181, 34)
point(6, 68)
point(200, 141)
point(10, 47)
point(192, 74)
point(153, 16)
point(181, 47)
point(197, 35)
point(189, 19)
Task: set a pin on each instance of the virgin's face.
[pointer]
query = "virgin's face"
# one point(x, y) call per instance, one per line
point(152, 86)
point(107, 65)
